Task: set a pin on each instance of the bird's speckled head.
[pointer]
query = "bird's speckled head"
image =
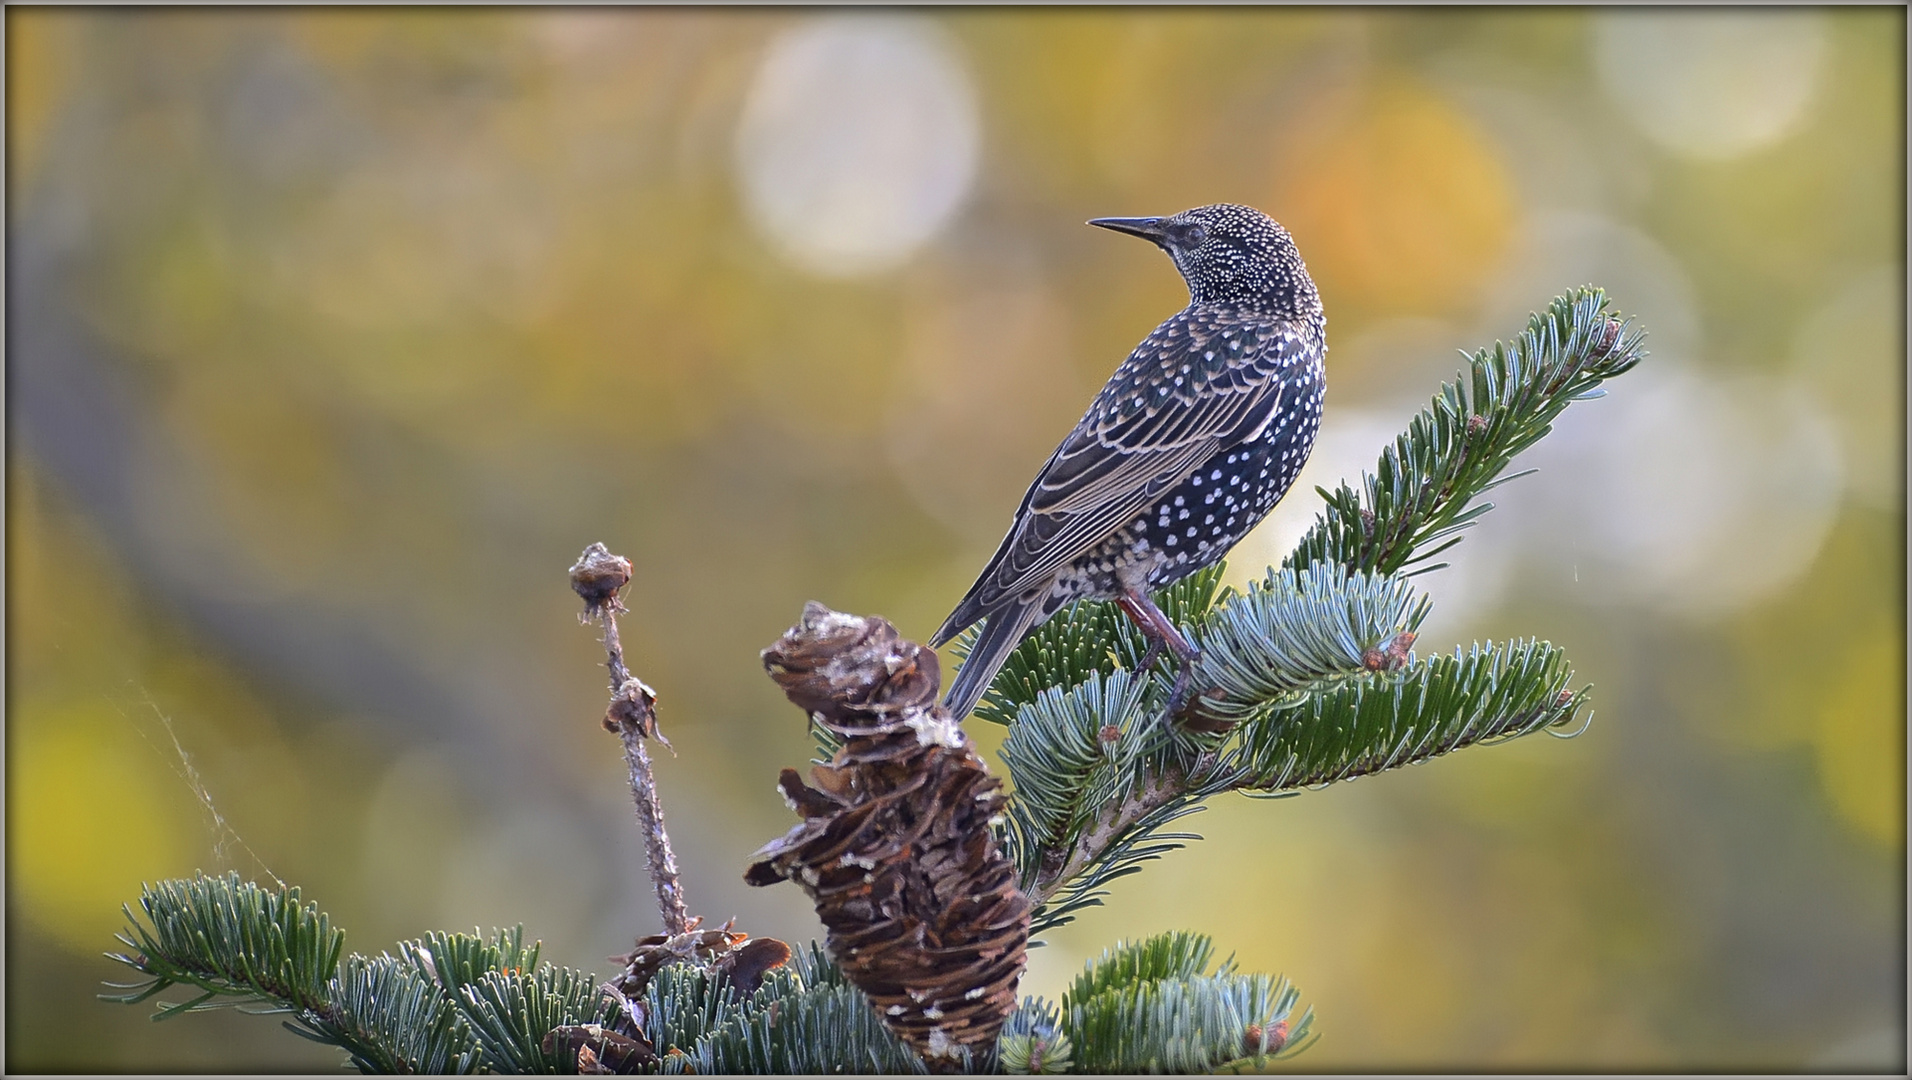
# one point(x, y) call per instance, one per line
point(1231, 254)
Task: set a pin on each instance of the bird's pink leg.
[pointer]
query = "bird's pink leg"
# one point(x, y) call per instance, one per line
point(1160, 631)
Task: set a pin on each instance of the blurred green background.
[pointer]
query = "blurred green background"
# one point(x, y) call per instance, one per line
point(335, 335)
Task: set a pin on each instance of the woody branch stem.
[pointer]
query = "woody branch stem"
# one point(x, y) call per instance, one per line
point(597, 576)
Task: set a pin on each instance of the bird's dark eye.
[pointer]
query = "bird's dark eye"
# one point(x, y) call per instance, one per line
point(1197, 234)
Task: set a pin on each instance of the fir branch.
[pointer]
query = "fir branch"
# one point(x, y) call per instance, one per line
point(230, 939)
point(453, 960)
point(1178, 954)
point(510, 1012)
point(445, 1003)
point(1488, 694)
point(1071, 837)
point(1115, 847)
point(1089, 804)
point(829, 1029)
point(1098, 770)
point(1069, 754)
point(1455, 449)
point(1033, 1042)
point(814, 968)
point(685, 1003)
point(804, 1018)
point(390, 1017)
point(1307, 680)
point(1149, 1007)
point(1299, 631)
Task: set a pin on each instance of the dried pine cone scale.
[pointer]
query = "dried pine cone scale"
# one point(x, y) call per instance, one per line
point(920, 907)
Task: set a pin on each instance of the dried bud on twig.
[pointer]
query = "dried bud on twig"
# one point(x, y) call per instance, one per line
point(1391, 657)
point(597, 576)
point(920, 908)
point(634, 704)
point(1036, 1054)
point(1610, 331)
point(1259, 1040)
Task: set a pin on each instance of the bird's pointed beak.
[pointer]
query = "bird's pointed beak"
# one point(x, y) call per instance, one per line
point(1148, 228)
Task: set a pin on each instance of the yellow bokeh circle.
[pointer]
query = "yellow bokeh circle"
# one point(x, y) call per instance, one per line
point(91, 814)
point(1401, 203)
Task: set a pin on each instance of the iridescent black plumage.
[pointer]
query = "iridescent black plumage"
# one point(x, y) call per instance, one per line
point(1192, 441)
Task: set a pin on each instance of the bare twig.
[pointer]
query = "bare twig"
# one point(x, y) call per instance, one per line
point(597, 576)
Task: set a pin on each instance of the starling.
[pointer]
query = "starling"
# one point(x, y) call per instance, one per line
point(1192, 441)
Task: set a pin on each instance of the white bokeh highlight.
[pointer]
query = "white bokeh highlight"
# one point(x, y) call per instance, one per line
point(1851, 351)
point(1689, 489)
point(1711, 83)
point(1565, 250)
point(858, 141)
point(1684, 490)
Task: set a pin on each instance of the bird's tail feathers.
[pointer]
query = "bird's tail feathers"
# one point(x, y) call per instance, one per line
point(998, 638)
point(961, 619)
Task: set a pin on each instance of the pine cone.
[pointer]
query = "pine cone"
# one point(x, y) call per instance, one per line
point(920, 908)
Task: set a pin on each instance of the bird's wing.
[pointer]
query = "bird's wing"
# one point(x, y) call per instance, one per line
point(1144, 435)
point(1100, 465)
